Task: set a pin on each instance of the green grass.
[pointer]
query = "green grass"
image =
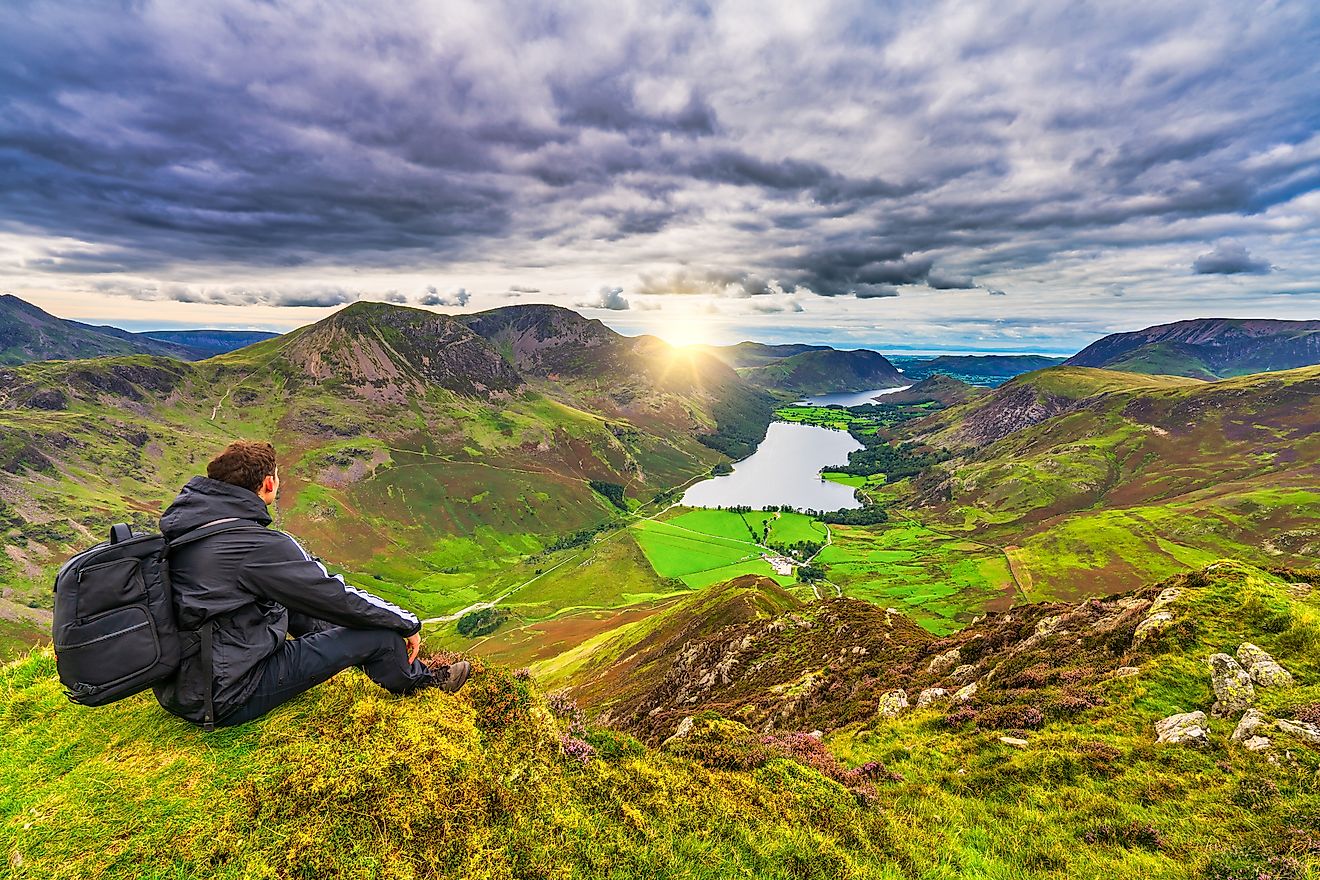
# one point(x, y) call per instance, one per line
point(940, 581)
point(350, 782)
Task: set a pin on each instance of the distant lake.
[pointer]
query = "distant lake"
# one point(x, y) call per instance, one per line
point(850, 398)
point(785, 469)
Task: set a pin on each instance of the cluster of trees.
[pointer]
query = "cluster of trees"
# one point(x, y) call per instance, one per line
point(895, 461)
point(612, 492)
point(481, 622)
point(581, 537)
point(869, 515)
point(798, 550)
point(810, 573)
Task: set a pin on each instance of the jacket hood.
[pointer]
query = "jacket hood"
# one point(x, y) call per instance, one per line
point(204, 500)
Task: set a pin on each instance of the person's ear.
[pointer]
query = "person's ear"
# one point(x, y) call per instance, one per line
point(269, 485)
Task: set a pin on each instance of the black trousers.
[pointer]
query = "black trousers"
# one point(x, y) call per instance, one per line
point(323, 650)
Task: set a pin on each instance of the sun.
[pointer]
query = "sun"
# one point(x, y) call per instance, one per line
point(684, 332)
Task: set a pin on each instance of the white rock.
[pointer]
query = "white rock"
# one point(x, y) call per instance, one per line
point(1307, 733)
point(1256, 744)
point(1013, 741)
point(963, 671)
point(1252, 719)
point(684, 728)
point(892, 704)
point(1232, 686)
point(1151, 625)
point(1166, 598)
point(944, 661)
point(931, 695)
point(1126, 672)
point(965, 693)
point(1188, 728)
point(1263, 669)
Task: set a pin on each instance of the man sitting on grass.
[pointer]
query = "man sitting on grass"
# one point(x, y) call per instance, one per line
point(247, 588)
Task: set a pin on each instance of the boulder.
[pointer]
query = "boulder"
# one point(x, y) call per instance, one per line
point(965, 693)
point(1152, 625)
point(963, 671)
point(1166, 598)
point(684, 730)
point(1013, 741)
point(1126, 672)
point(1264, 670)
point(1307, 733)
point(892, 704)
point(1188, 728)
point(1252, 720)
point(943, 662)
point(1233, 690)
point(1256, 744)
point(931, 695)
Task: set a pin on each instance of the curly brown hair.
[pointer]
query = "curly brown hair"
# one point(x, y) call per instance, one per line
point(245, 463)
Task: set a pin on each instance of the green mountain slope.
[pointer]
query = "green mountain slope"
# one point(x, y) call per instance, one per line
point(1093, 481)
point(1207, 348)
point(28, 333)
point(414, 454)
point(503, 782)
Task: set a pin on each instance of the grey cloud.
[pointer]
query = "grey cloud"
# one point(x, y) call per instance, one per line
point(939, 280)
point(519, 289)
point(994, 291)
point(875, 291)
point(608, 298)
point(457, 299)
point(1229, 258)
point(848, 157)
point(716, 282)
point(236, 295)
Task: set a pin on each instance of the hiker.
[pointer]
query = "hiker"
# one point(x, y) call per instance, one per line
point(257, 586)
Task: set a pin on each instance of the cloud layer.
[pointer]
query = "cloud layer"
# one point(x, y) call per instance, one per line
point(753, 158)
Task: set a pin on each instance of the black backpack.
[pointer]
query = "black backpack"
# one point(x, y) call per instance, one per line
point(114, 631)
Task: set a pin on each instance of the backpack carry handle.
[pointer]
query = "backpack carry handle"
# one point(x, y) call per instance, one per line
point(120, 532)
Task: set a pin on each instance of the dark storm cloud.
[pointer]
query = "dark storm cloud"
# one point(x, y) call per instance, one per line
point(850, 153)
point(1229, 258)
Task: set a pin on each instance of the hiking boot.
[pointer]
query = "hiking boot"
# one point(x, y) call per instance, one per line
point(450, 678)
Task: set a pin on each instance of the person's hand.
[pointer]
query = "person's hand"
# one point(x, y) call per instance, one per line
point(414, 643)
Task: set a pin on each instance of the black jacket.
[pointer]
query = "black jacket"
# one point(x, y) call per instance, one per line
point(248, 580)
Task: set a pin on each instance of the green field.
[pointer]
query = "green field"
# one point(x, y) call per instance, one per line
point(941, 582)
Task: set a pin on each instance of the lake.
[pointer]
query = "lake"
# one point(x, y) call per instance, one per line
point(849, 398)
point(784, 469)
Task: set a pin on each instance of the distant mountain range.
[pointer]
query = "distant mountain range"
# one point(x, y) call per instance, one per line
point(1207, 348)
point(809, 369)
point(28, 333)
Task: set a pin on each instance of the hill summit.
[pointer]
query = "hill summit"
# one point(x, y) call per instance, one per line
point(1050, 742)
point(1207, 348)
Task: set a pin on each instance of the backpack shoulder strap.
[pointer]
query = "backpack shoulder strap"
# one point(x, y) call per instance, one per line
point(232, 524)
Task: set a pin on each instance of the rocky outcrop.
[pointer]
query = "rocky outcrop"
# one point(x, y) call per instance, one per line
point(1189, 728)
point(1300, 730)
point(1232, 686)
point(965, 693)
point(942, 663)
point(1246, 735)
point(892, 704)
point(1152, 625)
point(1264, 670)
point(931, 696)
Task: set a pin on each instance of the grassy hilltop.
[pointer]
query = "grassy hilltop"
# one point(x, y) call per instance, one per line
point(505, 782)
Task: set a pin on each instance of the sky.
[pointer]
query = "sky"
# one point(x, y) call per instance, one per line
point(996, 176)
